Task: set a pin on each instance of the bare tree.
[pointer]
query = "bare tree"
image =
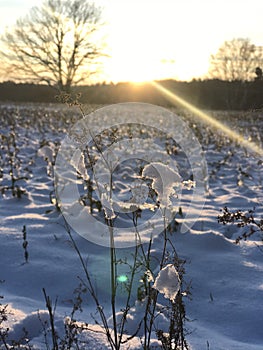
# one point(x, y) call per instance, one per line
point(235, 60)
point(55, 43)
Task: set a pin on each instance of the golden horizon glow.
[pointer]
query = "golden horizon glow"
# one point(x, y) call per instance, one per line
point(156, 40)
point(208, 119)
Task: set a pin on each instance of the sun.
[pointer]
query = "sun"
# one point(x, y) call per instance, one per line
point(140, 69)
point(134, 58)
point(137, 59)
point(137, 48)
point(152, 40)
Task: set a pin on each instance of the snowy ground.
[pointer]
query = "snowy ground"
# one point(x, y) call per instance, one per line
point(225, 310)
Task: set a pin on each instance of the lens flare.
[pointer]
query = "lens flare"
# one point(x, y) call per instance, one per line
point(122, 278)
point(171, 96)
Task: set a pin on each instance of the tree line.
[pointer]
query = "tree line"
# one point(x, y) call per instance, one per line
point(206, 94)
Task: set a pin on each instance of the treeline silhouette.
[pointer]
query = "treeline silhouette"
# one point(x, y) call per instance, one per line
point(206, 94)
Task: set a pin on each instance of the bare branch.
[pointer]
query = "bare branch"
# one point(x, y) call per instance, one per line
point(54, 43)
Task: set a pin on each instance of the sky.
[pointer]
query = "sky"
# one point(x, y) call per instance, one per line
point(158, 39)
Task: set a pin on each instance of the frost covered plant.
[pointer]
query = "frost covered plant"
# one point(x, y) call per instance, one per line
point(70, 338)
point(154, 191)
point(48, 151)
point(242, 219)
point(167, 282)
point(11, 164)
point(3, 330)
point(5, 342)
point(152, 285)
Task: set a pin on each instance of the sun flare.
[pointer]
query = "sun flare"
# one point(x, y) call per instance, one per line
point(209, 120)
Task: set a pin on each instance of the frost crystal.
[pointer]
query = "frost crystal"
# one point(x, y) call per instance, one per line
point(168, 282)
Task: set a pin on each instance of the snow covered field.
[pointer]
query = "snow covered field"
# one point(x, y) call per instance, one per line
point(226, 280)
